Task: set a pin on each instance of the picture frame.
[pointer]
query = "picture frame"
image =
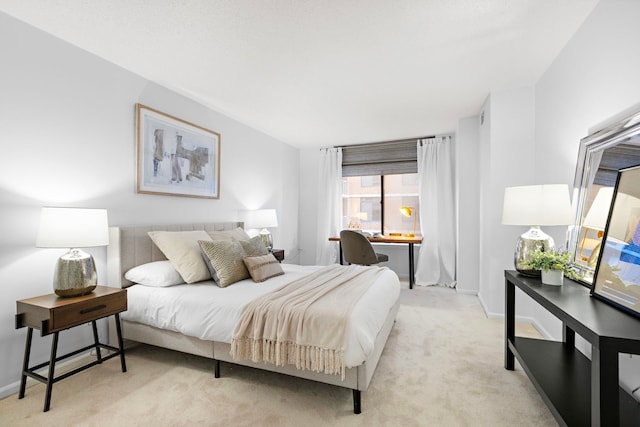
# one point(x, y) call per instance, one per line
point(175, 157)
point(617, 275)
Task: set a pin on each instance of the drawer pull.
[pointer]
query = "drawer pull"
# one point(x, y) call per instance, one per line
point(96, 308)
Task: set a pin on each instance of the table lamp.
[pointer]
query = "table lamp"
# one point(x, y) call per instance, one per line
point(75, 273)
point(534, 206)
point(596, 219)
point(262, 218)
point(409, 211)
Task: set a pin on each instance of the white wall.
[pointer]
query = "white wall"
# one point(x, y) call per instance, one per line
point(67, 136)
point(468, 199)
point(593, 78)
point(506, 159)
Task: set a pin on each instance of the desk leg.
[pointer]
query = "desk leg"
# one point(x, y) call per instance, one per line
point(509, 323)
point(25, 363)
point(412, 278)
point(605, 401)
point(120, 343)
point(52, 367)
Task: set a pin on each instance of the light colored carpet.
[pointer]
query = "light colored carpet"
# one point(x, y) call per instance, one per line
point(442, 366)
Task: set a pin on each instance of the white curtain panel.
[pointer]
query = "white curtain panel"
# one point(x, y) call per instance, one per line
point(437, 259)
point(329, 205)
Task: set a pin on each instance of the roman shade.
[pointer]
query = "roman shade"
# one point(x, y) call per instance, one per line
point(382, 158)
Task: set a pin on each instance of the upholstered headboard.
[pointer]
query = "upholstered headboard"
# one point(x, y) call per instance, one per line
point(130, 246)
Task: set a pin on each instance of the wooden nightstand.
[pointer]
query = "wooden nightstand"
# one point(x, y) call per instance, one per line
point(278, 254)
point(51, 314)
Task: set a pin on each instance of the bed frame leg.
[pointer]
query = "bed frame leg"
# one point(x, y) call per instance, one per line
point(216, 368)
point(356, 402)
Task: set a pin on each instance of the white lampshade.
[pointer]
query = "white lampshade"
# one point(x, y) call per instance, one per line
point(596, 218)
point(622, 226)
point(537, 205)
point(73, 228)
point(261, 218)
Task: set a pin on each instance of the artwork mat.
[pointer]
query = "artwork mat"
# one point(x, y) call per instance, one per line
point(158, 178)
point(617, 275)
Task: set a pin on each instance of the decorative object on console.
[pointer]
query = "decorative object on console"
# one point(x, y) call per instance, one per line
point(534, 206)
point(617, 274)
point(165, 146)
point(409, 212)
point(262, 218)
point(552, 265)
point(75, 273)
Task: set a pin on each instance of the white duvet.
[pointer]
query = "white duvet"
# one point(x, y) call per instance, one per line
point(205, 311)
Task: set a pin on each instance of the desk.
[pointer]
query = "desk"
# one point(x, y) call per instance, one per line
point(396, 240)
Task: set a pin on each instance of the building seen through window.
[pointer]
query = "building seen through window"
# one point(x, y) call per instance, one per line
point(372, 203)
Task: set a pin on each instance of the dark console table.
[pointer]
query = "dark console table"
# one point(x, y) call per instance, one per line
point(578, 391)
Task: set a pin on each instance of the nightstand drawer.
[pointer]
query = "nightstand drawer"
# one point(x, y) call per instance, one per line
point(51, 313)
point(86, 311)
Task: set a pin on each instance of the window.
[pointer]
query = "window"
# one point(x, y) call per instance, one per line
point(377, 179)
point(372, 203)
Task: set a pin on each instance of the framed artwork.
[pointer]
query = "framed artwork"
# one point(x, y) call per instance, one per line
point(617, 274)
point(175, 157)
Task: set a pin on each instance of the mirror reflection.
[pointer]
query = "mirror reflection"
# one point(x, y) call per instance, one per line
point(602, 154)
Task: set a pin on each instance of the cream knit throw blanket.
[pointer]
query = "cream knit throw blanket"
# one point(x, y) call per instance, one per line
point(304, 322)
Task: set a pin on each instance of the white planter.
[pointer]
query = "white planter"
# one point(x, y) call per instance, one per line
point(552, 277)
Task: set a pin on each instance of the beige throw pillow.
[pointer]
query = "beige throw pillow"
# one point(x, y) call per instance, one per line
point(263, 267)
point(224, 261)
point(235, 234)
point(182, 250)
point(254, 246)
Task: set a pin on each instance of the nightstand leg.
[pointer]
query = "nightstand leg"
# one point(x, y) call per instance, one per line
point(25, 363)
point(52, 366)
point(120, 343)
point(96, 341)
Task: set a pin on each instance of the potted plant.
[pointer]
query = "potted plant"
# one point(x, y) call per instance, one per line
point(553, 265)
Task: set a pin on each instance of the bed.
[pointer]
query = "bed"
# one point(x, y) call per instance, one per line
point(132, 246)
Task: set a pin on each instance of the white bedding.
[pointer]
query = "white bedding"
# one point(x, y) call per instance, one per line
point(208, 312)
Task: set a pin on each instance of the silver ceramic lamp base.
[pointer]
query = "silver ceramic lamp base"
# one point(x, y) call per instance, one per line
point(75, 274)
point(265, 235)
point(533, 240)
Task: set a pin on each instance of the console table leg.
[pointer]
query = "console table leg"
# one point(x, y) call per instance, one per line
point(52, 366)
point(25, 363)
point(509, 323)
point(605, 400)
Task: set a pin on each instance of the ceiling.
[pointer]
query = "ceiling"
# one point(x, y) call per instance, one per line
point(316, 73)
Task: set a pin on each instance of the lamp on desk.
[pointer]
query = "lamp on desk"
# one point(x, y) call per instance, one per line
point(409, 211)
point(533, 206)
point(74, 228)
point(262, 218)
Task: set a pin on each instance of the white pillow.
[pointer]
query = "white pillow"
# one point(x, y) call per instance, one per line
point(182, 249)
point(157, 273)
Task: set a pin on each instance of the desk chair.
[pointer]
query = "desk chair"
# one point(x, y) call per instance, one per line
point(357, 249)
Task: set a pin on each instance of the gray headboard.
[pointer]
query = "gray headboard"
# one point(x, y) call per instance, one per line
point(130, 246)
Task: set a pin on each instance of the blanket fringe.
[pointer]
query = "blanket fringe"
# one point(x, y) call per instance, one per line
point(305, 357)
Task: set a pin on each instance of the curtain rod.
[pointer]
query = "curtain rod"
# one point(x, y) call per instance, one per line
point(397, 141)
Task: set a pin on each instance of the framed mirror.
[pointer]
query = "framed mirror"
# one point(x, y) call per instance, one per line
point(601, 155)
point(617, 275)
